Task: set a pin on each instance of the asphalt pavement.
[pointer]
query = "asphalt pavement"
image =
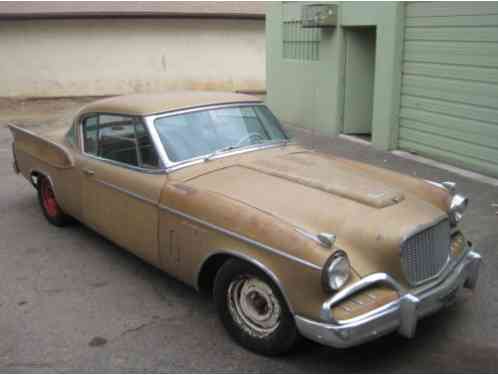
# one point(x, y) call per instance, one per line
point(71, 300)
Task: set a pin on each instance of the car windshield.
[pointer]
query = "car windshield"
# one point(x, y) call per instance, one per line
point(204, 132)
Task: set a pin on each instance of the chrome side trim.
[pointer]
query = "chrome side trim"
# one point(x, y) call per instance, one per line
point(209, 225)
point(239, 237)
point(130, 193)
point(448, 186)
point(308, 235)
point(248, 259)
point(325, 240)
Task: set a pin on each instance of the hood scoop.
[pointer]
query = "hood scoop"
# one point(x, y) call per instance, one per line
point(330, 179)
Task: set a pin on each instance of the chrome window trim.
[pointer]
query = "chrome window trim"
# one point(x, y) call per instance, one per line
point(200, 159)
point(173, 166)
point(156, 141)
point(127, 166)
point(166, 165)
point(159, 170)
point(175, 112)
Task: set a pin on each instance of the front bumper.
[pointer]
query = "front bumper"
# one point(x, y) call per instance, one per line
point(401, 314)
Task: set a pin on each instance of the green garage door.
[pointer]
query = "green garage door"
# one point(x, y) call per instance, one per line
point(449, 94)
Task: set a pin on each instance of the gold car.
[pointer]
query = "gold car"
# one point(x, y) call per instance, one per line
point(289, 241)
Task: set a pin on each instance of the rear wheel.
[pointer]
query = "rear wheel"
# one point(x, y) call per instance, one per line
point(49, 205)
point(253, 310)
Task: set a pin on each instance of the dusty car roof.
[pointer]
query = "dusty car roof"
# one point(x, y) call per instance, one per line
point(146, 104)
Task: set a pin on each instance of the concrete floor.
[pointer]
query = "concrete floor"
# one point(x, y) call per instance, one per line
point(70, 300)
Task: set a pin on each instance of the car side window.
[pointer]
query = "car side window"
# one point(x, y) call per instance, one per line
point(123, 139)
point(71, 136)
point(116, 139)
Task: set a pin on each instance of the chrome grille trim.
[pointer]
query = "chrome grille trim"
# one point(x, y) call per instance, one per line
point(425, 252)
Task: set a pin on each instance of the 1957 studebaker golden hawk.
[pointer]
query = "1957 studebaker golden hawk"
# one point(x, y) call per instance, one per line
point(289, 241)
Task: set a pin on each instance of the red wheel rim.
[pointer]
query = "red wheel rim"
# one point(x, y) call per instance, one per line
point(48, 199)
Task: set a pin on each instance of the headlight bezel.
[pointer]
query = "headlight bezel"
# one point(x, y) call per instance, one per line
point(457, 206)
point(457, 203)
point(333, 265)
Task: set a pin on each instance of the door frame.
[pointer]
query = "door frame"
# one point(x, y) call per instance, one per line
point(344, 85)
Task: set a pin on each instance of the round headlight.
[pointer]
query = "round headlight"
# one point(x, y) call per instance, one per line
point(458, 204)
point(336, 271)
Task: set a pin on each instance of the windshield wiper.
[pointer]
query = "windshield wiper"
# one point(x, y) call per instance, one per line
point(220, 151)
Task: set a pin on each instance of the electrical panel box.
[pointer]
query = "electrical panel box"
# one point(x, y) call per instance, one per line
point(319, 15)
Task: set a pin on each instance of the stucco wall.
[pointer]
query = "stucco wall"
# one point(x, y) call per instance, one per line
point(113, 56)
point(302, 92)
point(310, 94)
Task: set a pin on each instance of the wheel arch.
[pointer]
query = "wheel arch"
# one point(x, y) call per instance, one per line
point(210, 266)
point(35, 174)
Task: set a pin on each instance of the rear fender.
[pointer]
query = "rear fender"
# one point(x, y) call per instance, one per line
point(40, 148)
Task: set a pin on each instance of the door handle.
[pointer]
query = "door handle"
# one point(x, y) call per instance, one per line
point(88, 172)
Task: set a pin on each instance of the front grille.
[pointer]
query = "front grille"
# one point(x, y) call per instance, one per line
point(425, 253)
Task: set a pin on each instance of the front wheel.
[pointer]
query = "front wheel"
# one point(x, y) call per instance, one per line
point(252, 309)
point(49, 205)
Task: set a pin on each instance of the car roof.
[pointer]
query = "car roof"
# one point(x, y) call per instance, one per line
point(148, 104)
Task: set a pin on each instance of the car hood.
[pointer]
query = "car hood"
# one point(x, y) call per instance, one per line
point(369, 210)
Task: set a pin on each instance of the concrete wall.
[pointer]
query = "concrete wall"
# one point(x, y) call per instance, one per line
point(65, 57)
point(310, 94)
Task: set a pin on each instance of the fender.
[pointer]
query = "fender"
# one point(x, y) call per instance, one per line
point(250, 260)
point(41, 148)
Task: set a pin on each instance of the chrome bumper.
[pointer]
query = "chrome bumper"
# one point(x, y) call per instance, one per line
point(401, 314)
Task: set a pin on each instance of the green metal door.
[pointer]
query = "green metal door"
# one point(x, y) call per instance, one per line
point(449, 93)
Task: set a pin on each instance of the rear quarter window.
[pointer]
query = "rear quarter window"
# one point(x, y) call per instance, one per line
point(71, 136)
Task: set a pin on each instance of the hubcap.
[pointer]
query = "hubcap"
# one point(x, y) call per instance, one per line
point(253, 306)
point(48, 199)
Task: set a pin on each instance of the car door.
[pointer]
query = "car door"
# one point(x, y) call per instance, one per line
point(122, 182)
